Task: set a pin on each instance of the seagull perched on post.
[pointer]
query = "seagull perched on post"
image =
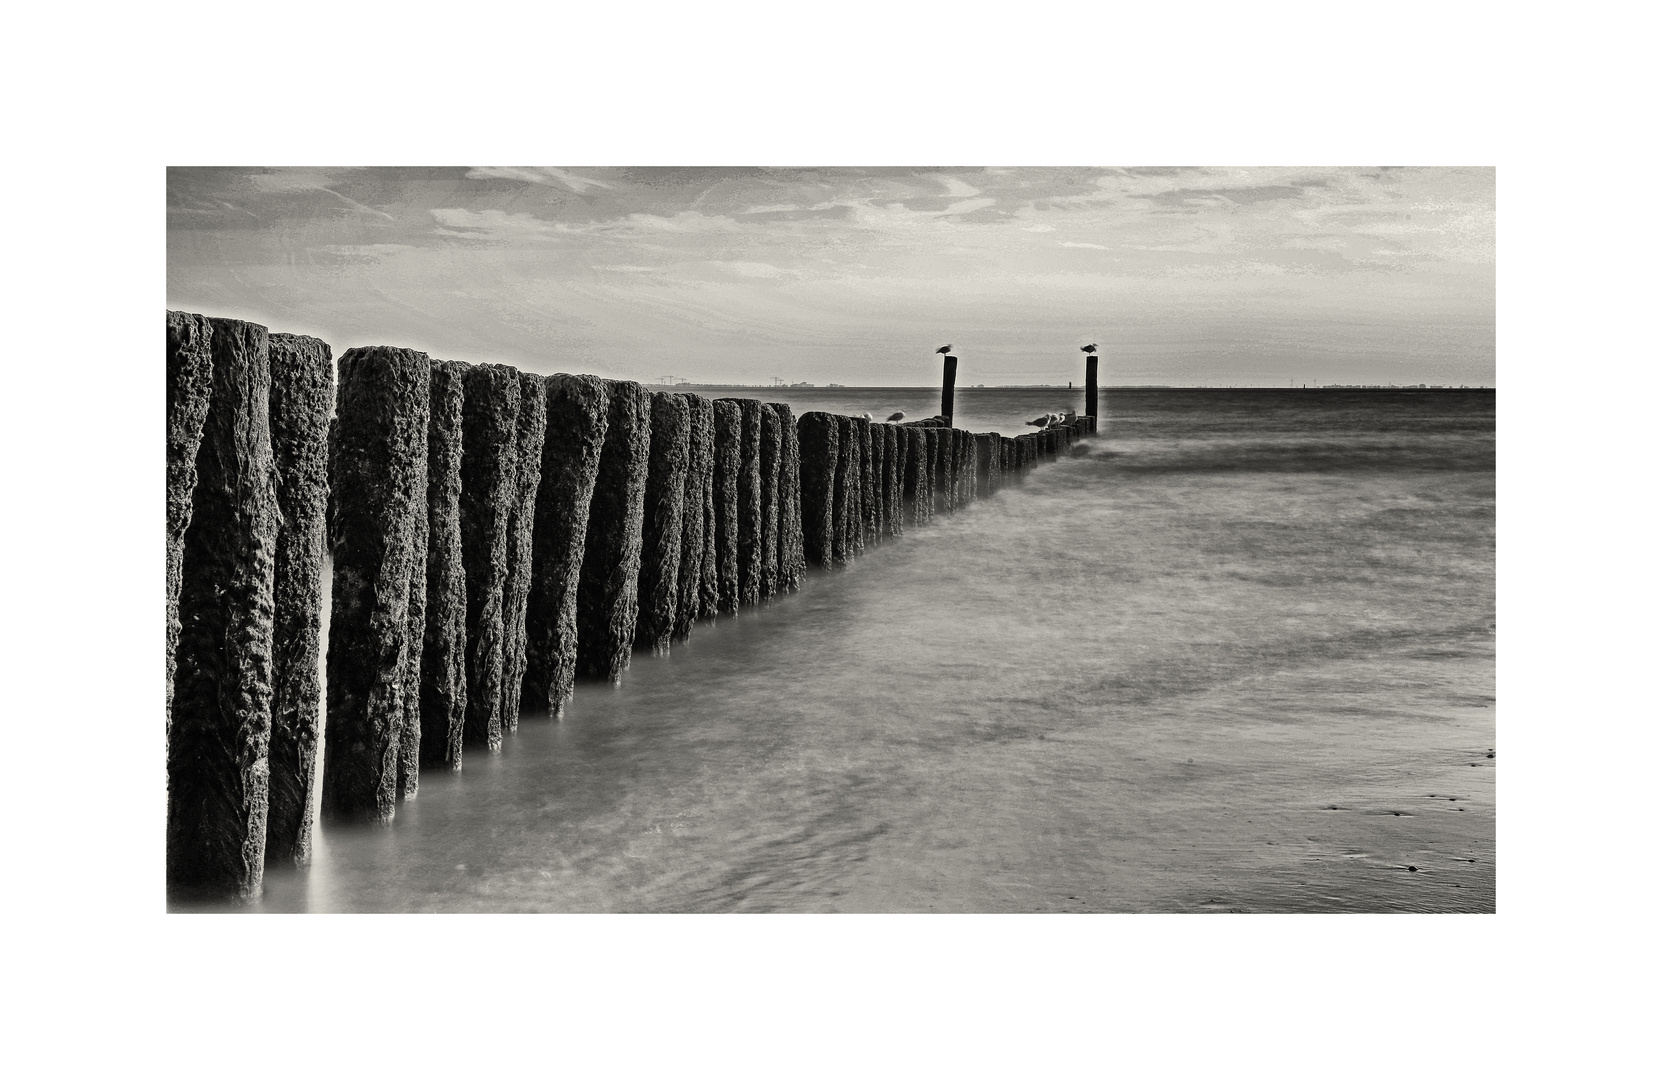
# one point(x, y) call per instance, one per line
point(944, 349)
point(1088, 348)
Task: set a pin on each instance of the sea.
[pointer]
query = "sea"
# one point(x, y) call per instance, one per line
point(1236, 654)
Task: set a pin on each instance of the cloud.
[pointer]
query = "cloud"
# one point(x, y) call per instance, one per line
point(546, 175)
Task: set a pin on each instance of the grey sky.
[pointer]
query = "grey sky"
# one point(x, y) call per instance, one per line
point(1181, 275)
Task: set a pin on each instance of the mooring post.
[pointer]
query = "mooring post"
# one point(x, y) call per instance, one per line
point(1090, 385)
point(949, 376)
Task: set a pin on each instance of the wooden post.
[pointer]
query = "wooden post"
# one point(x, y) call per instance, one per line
point(1090, 384)
point(490, 421)
point(949, 376)
point(443, 691)
point(607, 601)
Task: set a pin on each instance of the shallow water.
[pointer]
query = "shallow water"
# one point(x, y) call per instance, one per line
point(1237, 656)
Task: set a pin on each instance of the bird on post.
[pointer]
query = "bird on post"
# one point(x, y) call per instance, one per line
point(944, 349)
point(1087, 348)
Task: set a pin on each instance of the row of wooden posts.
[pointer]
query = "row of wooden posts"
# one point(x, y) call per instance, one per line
point(495, 536)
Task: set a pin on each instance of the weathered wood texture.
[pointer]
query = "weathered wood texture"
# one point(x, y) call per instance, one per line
point(729, 439)
point(658, 587)
point(217, 765)
point(490, 422)
point(190, 372)
point(529, 433)
point(699, 586)
point(870, 510)
point(607, 602)
point(415, 614)
point(919, 501)
point(443, 692)
point(792, 561)
point(382, 398)
point(819, 449)
point(749, 501)
point(578, 412)
point(768, 581)
point(846, 506)
point(302, 399)
point(937, 469)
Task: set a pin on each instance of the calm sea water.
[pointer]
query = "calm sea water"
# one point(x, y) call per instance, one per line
point(1236, 656)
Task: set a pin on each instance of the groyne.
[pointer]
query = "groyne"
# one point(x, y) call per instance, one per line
point(493, 535)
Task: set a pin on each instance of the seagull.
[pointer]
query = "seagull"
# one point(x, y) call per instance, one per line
point(1088, 348)
point(1041, 422)
point(897, 416)
point(944, 349)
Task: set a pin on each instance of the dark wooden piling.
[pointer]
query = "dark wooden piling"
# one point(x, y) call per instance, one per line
point(921, 500)
point(949, 376)
point(749, 501)
point(846, 500)
point(443, 691)
point(217, 765)
point(772, 452)
point(986, 465)
point(938, 472)
point(190, 372)
point(1090, 384)
point(695, 525)
point(578, 416)
point(490, 423)
point(894, 468)
point(724, 491)
point(607, 603)
point(881, 450)
point(529, 432)
point(415, 613)
point(302, 398)
point(792, 561)
point(659, 585)
point(819, 437)
point(866, 519)
point(382, 398)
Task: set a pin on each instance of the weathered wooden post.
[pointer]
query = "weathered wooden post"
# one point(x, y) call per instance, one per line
point(217, 766)
point(865, 520)
point(408, 738)
point(895, 443)
point(516, 589)
point(490, 422)
point(443, 693)
point(695, 522)
point(382, 401)
point(724, 487)
point(846, 506)
point(772, 449)
point(949, 376)
point(578, 417)
point(792, 562)
point(1090, 384)
point(749, 551)
point(190, 372)
point(939, 473)
point(302, 397)
point(819, 441)
point(662, 522)
point(607, 603)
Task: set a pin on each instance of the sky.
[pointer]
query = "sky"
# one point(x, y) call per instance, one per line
point(1180, 275)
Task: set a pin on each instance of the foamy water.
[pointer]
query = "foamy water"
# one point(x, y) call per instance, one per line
point(1237, 656)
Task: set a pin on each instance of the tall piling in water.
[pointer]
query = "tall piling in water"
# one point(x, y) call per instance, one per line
point(772, 450)
point(1090, 385)
point(792, 561)
point(939, 441)
point(920, 500)
point(749, 557)
point(659, 585)
point(490, 432)
point(607, 602)
point(866, 517)
point(724, 489)
point(819, 445)
point(986, 465)
point(443, 692)
point(949, 377)
point(879, 485)
point(529, 432)
point(577, 414)
point(218, 738)
point(894, 465)
point(695, 523)
point(382, 397)
point(190, 372)
point(302, 397)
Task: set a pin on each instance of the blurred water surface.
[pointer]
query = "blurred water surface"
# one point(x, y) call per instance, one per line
point(1237, 656)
